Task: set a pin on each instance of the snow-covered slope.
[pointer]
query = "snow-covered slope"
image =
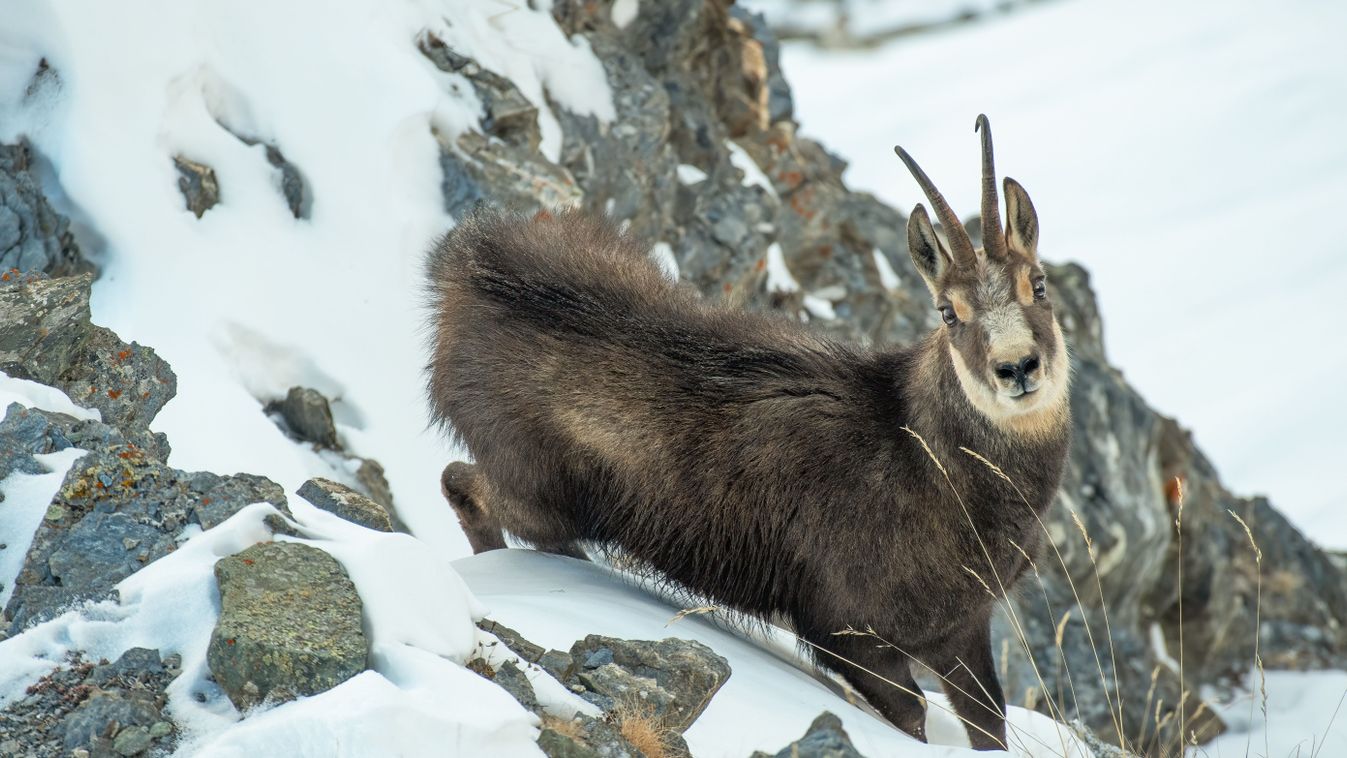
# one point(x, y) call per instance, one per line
point(1190, 155)
point(248, 301)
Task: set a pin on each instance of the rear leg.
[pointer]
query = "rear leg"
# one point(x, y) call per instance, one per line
point(461, 488)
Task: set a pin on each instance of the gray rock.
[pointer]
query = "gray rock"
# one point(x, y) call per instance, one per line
point(33, 236)
point(290, 624)
point(689, 672)
point(291, 183)
point(560, 665)
point(92, 719)
point(513, 681)
point(345, 502)
point(114, 494)
point(308, 416)
point(478, 168)
point(825, 738)
point(198, 185)
point(44, 324)
point(610, 686)
point(127, 384)
point(132, 740)
point(513, 640)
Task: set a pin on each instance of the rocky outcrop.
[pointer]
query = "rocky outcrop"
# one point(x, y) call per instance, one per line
point(46, 336)
point(33, 236)
point(119, 509)
point(696, 84)
point(649, 691)
point(290, 624)
point(104, 709)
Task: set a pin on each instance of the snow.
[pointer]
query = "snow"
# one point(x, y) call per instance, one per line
point(771, 695)
point(753, 173)
point(1190, 156)
point(779, 278)
point(417, 693)
point(25, 498)
point(1304, 717)
point(249, 301)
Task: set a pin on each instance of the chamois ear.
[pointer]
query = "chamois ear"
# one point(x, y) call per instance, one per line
point(1021, 220)
point(927, 251)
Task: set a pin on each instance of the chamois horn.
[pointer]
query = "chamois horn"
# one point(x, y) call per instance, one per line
point(961, 247)
point(993, 236)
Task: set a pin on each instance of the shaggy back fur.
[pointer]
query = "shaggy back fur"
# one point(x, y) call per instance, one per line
point(738, 454)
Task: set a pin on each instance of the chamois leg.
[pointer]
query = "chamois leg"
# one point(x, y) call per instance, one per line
point(461, 488)
point(969, 679)
point(881, 674)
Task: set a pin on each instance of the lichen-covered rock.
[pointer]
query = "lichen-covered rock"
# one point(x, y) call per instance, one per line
point(198, 185)
point(688, 671)
point(46, 336)
point(127, 384)
point(33, 236)
point(44, 324)
point(825, 738)
point(118, 510)
point(290, 624)
point(345, 502)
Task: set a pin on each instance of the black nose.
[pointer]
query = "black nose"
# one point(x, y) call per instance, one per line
point(1019, 373)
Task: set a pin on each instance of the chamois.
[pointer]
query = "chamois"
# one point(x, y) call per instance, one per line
point(752, 461)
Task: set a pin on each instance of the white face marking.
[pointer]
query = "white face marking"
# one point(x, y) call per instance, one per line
point(1008, 331)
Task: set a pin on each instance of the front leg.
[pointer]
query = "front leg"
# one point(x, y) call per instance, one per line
point(882, 675)
point(968, 676)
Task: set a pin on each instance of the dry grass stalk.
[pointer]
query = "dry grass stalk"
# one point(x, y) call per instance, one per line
point(698, 611)
point(1053, 709)
point(1257, 622)
point(1114, 713)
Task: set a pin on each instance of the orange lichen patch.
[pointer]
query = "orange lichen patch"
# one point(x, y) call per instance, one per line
point(114, 394)
point(205, 501)
point(728, 288)
point(1173, 490)
point(799, 202)
point(247, 561)
point(123, 355)
point(825, 251)
point(760, 265)
point(792, 179)
point(542, 216)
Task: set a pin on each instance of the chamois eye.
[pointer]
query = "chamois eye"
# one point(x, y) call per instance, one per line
point(1040, 289)
point(947, 313)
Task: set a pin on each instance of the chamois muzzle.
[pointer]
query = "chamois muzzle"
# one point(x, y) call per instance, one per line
point(1020, 379)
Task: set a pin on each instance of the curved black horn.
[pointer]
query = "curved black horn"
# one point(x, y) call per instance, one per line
point(993, 236)
point(961, 247)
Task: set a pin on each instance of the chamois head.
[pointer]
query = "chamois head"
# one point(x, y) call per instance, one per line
point(1004, 341)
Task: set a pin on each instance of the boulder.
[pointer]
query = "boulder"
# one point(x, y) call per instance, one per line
point(676, 677)
point(307, 416)
point(345, 502)
point(290, 624)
